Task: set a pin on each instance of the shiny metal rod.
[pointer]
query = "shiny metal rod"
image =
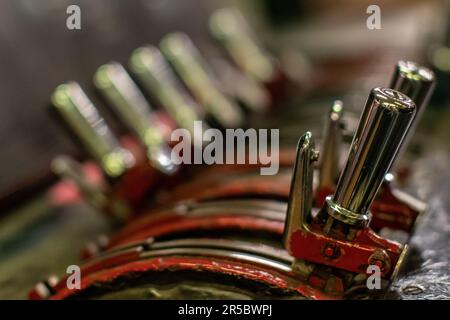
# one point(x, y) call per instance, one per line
point(189, 64)
point(84, 120)
point(156, 76)
point(301, 193)
point(417, 82)
point(384, 123)
point(331, 147)
point(130, 105)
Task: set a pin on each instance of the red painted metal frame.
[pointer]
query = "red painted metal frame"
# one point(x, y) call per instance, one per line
point(135, 185)
point(388, 210)
point(110, 270)
point(179, 224)
point(353, 256)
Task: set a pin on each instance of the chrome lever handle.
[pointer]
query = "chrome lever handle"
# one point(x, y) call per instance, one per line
point(417, 82)
point(75, 108)
point(186, 59)
point(384, 124)
point(156, 75)
point(331, 146)
point(301, 193)
point(115, 84)
point(230, 28)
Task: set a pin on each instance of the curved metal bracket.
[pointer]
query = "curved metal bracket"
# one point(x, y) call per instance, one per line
point(301, 194)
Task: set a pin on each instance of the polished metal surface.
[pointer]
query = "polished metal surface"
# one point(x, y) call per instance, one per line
point(417, 82)
point(227, 254)
point(226, 244)
point(180, 51)
point(301, 193)
point(270, 209)
point(331, 146)
point(156, 76)
point(384, 123)
point(241, 250)
point(229, 27)
point(267, 209)
point(123, 95)
point(83, 118)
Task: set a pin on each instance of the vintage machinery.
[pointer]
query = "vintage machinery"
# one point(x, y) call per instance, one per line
point(227, 231)
point(326, 253)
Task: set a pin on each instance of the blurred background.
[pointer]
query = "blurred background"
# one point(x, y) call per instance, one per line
point(324, 46)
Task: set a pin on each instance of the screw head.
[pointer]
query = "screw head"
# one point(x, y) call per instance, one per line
point(380, 259)
point(331, 250)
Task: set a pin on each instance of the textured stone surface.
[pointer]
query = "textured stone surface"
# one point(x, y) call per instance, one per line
point(427, 273)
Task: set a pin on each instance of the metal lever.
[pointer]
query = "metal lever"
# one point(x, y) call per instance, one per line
point(416, 82)
point(301, 193)
point(230, 28)
point(155, 74)
point(331, 147)
point(384, 124)
point(115, 84)
point(188, 63)
point(83, 118)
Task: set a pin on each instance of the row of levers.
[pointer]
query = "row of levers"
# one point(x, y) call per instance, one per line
point(331, 222)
